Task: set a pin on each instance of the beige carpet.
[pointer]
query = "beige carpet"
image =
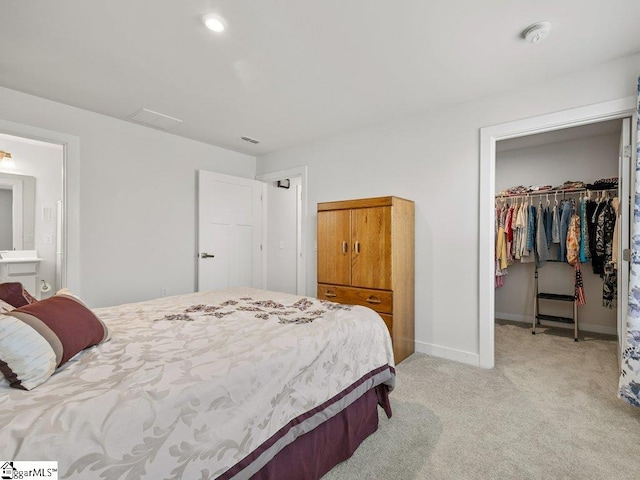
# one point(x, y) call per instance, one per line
point(548, 410)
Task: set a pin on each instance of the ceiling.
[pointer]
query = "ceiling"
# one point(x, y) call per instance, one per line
point(287, 72)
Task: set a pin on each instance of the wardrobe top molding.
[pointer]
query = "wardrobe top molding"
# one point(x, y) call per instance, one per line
point(361, 203)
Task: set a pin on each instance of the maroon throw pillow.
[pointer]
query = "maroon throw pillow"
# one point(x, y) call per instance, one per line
point(15, 294)
point(71, 326)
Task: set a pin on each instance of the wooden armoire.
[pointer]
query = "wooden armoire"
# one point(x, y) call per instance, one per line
point(366, 256)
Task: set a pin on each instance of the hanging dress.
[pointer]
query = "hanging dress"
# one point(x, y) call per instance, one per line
point(604, 248)
point(573, 240)
point(584, 232)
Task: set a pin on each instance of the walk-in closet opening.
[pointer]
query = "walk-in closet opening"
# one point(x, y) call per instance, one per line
point(561, 232)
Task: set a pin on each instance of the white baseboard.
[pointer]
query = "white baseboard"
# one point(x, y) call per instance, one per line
point(448, 353)
point(587, 327)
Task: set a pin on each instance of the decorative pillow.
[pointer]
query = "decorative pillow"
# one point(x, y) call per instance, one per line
point(38, 338)
point(15, 294)
point(5, 307)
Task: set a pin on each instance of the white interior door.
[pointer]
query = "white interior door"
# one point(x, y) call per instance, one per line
point(626, 175)
point(229, 231)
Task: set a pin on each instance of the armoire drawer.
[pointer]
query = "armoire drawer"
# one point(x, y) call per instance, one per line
point(378, 300)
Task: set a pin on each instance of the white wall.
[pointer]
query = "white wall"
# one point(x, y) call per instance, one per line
point(45, 164)
point(586, 159)
point(282, 236)
point(6, 219)
point(137, 199)
point(433, 159)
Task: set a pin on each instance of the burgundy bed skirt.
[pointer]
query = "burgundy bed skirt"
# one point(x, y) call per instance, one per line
point(313, 454)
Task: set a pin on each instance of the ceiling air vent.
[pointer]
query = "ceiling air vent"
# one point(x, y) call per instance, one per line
point(250, 140)
point(153, 119)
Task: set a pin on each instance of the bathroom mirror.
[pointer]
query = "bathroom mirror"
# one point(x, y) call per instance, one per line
point(17, 211)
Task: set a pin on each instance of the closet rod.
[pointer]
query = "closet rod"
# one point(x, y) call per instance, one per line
point(555, 192)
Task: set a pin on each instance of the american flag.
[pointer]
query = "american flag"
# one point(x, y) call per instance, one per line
point(579, 294)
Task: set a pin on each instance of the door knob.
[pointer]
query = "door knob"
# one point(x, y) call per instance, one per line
point(206, 255)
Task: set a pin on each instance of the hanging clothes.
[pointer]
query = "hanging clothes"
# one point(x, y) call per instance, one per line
point(526, 254)
point(565, 218)
point(573, 240)
point(615, 203)
point(508, 228)
point(555, 227)
point(542, 249)
point(517, 233)
point(597, 255)
point(584, 232)
point(604, 248)
point(501, 246)
point(548, 224)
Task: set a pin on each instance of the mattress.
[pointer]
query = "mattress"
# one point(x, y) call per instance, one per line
point(199, 386)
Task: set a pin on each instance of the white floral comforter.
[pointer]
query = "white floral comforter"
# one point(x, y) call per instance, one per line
point(188, 386)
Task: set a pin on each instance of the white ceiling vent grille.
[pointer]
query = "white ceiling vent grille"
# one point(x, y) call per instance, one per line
point(250, 140)
point(150, 118)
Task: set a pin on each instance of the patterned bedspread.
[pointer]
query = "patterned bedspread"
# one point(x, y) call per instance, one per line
point(190, 385)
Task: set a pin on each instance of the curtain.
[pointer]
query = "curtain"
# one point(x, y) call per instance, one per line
point(630, 375)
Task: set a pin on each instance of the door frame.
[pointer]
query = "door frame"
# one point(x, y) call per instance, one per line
point(70, 271)
point(301, 227)
point(624, 107)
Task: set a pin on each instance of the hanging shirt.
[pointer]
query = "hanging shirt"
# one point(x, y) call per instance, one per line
point(525, 254)
point(542, 249)
point(573, 240)
point(508, 229)
point(565, 218)
point(593, 212)
point(518, 232)
point(548, 225)
point(555, 227)
point(531, 233)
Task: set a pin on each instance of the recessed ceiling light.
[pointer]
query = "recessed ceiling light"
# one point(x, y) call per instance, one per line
point(213, 22)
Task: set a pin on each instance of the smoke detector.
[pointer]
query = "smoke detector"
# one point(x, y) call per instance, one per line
point(537, 32)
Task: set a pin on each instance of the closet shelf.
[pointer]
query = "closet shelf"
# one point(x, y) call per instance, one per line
point(554, 318)
point(556, 296)
point(540, 193)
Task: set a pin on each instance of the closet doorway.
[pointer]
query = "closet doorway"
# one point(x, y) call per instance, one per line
point(588, 155)
point(285, 223)
point(490, 136)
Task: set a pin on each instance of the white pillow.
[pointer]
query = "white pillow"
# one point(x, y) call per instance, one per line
point(5, 307)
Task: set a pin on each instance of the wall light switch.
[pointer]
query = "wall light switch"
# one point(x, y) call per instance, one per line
point(46, 213)
point(281, 244)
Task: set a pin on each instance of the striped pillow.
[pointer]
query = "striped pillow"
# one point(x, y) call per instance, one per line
point(38, 338)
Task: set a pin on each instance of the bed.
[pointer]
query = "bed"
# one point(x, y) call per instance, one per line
point(230, 384)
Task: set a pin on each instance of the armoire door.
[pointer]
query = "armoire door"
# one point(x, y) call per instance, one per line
point(371, 257)
point(334, 247)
